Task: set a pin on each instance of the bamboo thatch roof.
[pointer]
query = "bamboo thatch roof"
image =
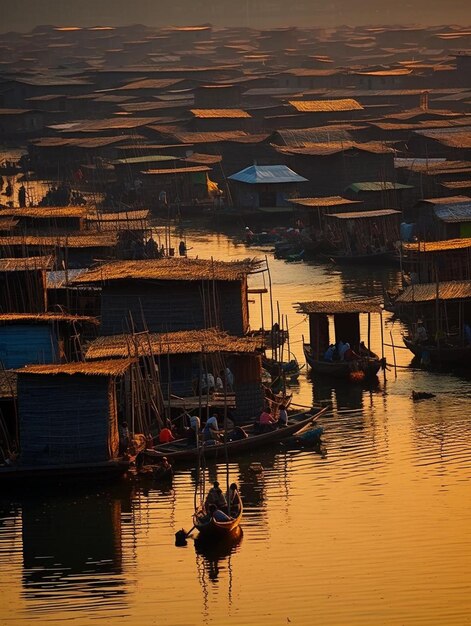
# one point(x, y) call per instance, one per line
point(323, 202)
point(111, 367)
point(181, 342)
point(46, 212)
point(46, 317)
point(105, 240)
point(437, 246)
point(26, 264)
point(170, 269)
point(427, 292)
point(334, 307)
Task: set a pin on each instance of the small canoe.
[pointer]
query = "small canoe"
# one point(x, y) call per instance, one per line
point(209, 526)
point(446, 356)
point(359, 259)
point(356, 370)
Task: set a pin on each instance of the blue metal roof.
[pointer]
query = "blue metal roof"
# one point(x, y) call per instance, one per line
point(460, 212)
point(256, 174)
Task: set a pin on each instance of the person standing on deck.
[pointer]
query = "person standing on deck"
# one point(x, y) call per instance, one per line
point(22, 196)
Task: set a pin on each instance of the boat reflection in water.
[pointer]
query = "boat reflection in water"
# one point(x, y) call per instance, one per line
point(213, 551)
point(72, 555)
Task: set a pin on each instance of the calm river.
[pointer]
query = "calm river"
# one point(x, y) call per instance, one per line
point(377, 531)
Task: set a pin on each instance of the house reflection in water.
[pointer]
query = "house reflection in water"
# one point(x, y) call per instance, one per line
point(72, 553)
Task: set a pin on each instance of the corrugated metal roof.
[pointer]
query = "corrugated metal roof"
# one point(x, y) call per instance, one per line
point(453, 290)
point(333, 307)
point(377, 186)
point(177, 170)
point(323, 106)
point(453, 213)
point(151, 158)
point(256, 174)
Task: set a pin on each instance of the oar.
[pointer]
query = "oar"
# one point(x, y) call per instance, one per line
point(181, 536)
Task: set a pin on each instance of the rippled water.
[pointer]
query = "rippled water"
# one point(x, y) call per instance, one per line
point(375, 531)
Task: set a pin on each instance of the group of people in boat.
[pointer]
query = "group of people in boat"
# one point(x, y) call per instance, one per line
point(268, 422)
point(342, 351)
point(220, 507)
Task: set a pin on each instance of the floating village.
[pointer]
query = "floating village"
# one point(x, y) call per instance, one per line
point(124, 353)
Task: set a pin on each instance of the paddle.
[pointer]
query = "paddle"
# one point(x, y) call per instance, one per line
point(181, 536)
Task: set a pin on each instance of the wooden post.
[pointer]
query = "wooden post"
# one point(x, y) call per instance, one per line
point(369, 332)
point(394, 354)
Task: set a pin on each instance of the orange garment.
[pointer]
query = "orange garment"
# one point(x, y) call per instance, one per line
point(165, 435)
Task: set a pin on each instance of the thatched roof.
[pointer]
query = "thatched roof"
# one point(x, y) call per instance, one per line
point(334, 307)
point(112, 367)
point(452, 290)
point(106, 240)
point(182, 342)
point(46, 212)
point(170, 269)
point(325, 106)
point(26, 264)
point(7, 384)
point(32, 318)
point(322, 202)
point(437, 246)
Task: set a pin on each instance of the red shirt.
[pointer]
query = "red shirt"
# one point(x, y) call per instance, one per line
point(165, 435)
point(266, 418)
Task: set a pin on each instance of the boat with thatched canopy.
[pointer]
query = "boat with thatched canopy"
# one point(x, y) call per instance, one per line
point(361, 363)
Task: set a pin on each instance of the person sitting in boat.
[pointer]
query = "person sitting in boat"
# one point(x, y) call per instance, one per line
point(342, 347)
point(166, 435)
point(283, 417)
point(420, 335)
point(238, 434)
point(217, 514)
point(248, 235)
point(211, 429)
point(266, 421)
point(163, 469)
point(329, 353)
point(195, 425)
point(215, 497)
point(232, 498)
point(350, 355)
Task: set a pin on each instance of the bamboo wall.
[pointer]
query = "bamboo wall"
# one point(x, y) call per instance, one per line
point(166, 306)
point(65, 419)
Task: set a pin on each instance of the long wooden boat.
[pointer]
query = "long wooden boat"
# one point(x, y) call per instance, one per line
point(359, 369)
point(443, 356)
point(360, 259)
point(179, 450)
point(208, 526)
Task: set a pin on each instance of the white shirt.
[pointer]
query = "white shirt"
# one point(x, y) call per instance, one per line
point(210, 379)
point(195, 422)
point(219, 385)
point(229, 377)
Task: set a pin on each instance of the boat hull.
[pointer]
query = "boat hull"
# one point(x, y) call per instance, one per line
point(213, 528)
point(445, 356)
point(346, 370)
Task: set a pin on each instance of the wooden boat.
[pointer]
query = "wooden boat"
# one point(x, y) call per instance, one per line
point(179, 450)
point(289, 369)
point(360, 259)
point(208, 526)
point(444, 356)
point(359, 369)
